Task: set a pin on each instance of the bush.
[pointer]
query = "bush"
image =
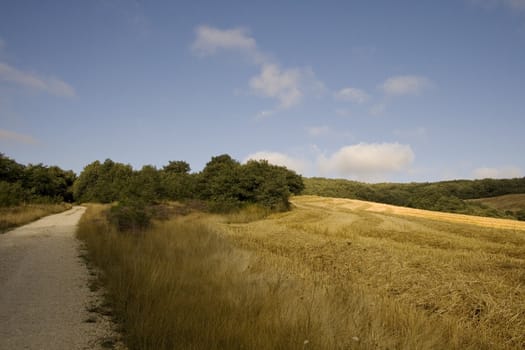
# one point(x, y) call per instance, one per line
point(133, 217)
point(11, 194)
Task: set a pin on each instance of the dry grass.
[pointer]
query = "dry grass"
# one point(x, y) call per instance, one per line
point(330, 274)
point(11, 217)
point(512, 202)
point(465, 276)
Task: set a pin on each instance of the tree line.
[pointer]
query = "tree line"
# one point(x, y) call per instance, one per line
point(224, 183)
point(33, 183)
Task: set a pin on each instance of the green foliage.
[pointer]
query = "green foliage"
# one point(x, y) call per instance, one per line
point(10, 171)
point(219, 183)
point(177, 167)
point(33, 183)
point(102, 182)
point(12, 193)
point(264, 184)
point(132, 217)
point(144, 185)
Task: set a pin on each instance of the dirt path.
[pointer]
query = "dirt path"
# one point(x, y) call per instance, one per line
point(44, 293)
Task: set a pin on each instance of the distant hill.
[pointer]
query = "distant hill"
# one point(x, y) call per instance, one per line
point(458, 196)
point(509, 202)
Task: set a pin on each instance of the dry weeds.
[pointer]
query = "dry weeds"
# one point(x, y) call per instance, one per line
point(11, 217)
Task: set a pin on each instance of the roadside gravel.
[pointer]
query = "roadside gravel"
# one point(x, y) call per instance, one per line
point(45, 299)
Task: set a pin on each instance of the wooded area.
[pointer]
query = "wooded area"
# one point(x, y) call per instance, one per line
point(225, 184)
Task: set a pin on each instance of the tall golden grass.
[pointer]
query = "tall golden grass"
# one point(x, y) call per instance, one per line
point(322, 276)
point(11, 217)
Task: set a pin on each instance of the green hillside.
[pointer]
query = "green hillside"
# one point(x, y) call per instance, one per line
point(514, 203)
point(448, 196)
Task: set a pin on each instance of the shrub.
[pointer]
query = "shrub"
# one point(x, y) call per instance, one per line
point(130, 217)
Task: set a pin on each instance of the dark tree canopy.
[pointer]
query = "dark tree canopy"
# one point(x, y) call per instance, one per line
point(33, 183)
point(224, 183)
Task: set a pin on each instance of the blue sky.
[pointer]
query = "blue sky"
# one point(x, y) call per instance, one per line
point(365, 90)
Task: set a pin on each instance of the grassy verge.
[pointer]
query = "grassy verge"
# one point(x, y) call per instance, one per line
point(188, 284)
point(11, 217)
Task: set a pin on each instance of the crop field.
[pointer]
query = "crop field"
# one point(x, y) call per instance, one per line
point(329, 274)
point(427, 275)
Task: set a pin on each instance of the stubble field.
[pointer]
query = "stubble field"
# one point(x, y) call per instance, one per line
point(330, 274)
point(457, 276)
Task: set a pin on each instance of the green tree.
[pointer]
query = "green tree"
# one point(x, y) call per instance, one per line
point(102, 182)
point(10, 170)
point(144, 186)
point(177, 167)
point(219, 183)
point(265, 184)
point(177, 182)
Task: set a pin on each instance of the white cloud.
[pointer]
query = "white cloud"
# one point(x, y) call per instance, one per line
point(352, 94)
point(497, 173)
point(283, 85)
point(51, 85)
point(276, 158)
point(405, 85)
point(318, 130)
point(286, 85)
point(11, 136)
point(367, 161)
point(210, 39)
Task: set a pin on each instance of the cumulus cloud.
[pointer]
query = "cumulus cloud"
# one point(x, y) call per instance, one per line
point(497, 173)
point(50, 85)
point(276, 158)
point(352, 94)
point(11, 136)
point(405, 85)
point(367, 161)
point(287, 85)
point(209, 40)
point(284, 85)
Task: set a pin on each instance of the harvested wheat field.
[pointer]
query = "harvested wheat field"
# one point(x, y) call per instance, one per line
point(390, 277)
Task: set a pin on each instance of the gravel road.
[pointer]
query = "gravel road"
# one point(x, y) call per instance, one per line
point(44, 289)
